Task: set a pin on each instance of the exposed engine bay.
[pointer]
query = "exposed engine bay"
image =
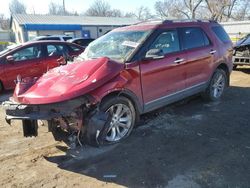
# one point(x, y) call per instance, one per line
point(79, 118)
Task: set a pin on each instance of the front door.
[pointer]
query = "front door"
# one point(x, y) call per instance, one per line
point(162, 77)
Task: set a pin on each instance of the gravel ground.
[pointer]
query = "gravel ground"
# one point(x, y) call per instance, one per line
point(188, 144)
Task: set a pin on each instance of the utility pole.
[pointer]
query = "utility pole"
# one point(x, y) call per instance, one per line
point(64, 10)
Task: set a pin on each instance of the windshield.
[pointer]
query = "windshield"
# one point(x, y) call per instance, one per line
point(9, 48)
point(117, 45)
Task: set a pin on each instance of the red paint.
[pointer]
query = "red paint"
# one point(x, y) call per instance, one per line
point(67, 82)
point(148, 80)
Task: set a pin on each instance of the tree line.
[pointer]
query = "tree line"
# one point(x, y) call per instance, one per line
point(219, 10)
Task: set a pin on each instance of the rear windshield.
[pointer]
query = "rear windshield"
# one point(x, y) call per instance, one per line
point(221, 34)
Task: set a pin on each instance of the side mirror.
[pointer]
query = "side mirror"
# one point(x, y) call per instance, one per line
point(154, 54)
point(10, 58)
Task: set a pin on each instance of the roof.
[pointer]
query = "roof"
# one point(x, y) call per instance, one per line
point(23, 19)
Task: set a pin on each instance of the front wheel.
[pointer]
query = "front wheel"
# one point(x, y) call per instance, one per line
point(1, 87)
point(216, 86)
point(122, 119)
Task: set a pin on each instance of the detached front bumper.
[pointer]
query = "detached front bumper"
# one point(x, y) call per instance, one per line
point(44, 112)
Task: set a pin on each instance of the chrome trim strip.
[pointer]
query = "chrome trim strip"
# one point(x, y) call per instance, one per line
point(164, 97)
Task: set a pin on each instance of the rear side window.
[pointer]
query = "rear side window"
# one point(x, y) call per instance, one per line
point(221, 33)
point(193, 37)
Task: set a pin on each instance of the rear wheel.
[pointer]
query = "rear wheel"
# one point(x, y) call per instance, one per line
point(122, 119)
point(216, 86)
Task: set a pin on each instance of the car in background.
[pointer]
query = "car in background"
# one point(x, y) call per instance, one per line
point(32, 59)
point(53, 37)
point(241, 54)
point(81, 41)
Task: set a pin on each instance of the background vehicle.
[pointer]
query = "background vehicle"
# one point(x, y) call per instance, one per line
point(81, 41)
point(125, 73)
point(53, 37)
point(242, 52)
point(32, 59)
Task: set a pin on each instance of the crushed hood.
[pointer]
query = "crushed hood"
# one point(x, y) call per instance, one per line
point(70, 81)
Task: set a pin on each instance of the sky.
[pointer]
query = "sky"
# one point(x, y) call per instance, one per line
point(41, 6)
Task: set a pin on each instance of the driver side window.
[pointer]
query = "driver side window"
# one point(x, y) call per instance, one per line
point(167, 41)
point(32, 52)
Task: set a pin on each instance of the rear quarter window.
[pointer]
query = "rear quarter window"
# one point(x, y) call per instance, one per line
point(221, 33)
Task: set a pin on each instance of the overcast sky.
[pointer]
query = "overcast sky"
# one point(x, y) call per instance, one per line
point(41, 6)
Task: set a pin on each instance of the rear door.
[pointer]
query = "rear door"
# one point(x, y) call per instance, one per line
point(26, 63)
point(200, 55)
point(161, 78)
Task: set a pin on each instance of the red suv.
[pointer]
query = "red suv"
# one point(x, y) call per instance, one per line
point(125, 73)
point(32, 59)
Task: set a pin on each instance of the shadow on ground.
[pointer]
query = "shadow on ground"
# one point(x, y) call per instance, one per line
point(244, 69)
point(188, 144)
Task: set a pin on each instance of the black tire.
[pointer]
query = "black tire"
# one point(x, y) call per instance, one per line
point(127, 108)
point(210, 93)
point(234, 67)
point(1, 87)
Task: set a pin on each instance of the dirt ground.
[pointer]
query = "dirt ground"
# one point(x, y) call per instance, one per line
point(188, 144)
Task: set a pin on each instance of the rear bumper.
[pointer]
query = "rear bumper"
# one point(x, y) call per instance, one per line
point(44, 111)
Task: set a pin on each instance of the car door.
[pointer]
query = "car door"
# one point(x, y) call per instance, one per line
point(25, 62)
point(162, 77)
point(200, 55)
point(53, 52)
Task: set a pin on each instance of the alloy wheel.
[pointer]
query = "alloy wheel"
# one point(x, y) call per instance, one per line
point(121, 121)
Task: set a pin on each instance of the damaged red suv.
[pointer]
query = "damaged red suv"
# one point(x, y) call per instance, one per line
point(127, 72)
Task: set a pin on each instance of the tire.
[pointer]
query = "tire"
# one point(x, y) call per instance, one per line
point(122, 117)
point(216, 86)
point(1, 87)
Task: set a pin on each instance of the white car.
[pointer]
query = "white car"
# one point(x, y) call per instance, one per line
point(53, 37)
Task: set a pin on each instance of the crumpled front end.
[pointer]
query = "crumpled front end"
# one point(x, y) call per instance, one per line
point(61, 98)
point(79, 117)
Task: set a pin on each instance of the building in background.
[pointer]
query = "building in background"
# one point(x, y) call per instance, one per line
point(27, 27)
point(5, 38)
point(237, 30)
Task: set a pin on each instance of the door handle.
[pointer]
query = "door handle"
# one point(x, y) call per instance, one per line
point(178, 60)
point(212, 52)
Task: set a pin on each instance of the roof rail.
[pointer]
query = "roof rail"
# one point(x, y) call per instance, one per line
point(188, 20)
point(160, 21)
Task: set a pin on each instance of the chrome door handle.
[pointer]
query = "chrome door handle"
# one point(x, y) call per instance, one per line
point(212, 52)
point(178, 60)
